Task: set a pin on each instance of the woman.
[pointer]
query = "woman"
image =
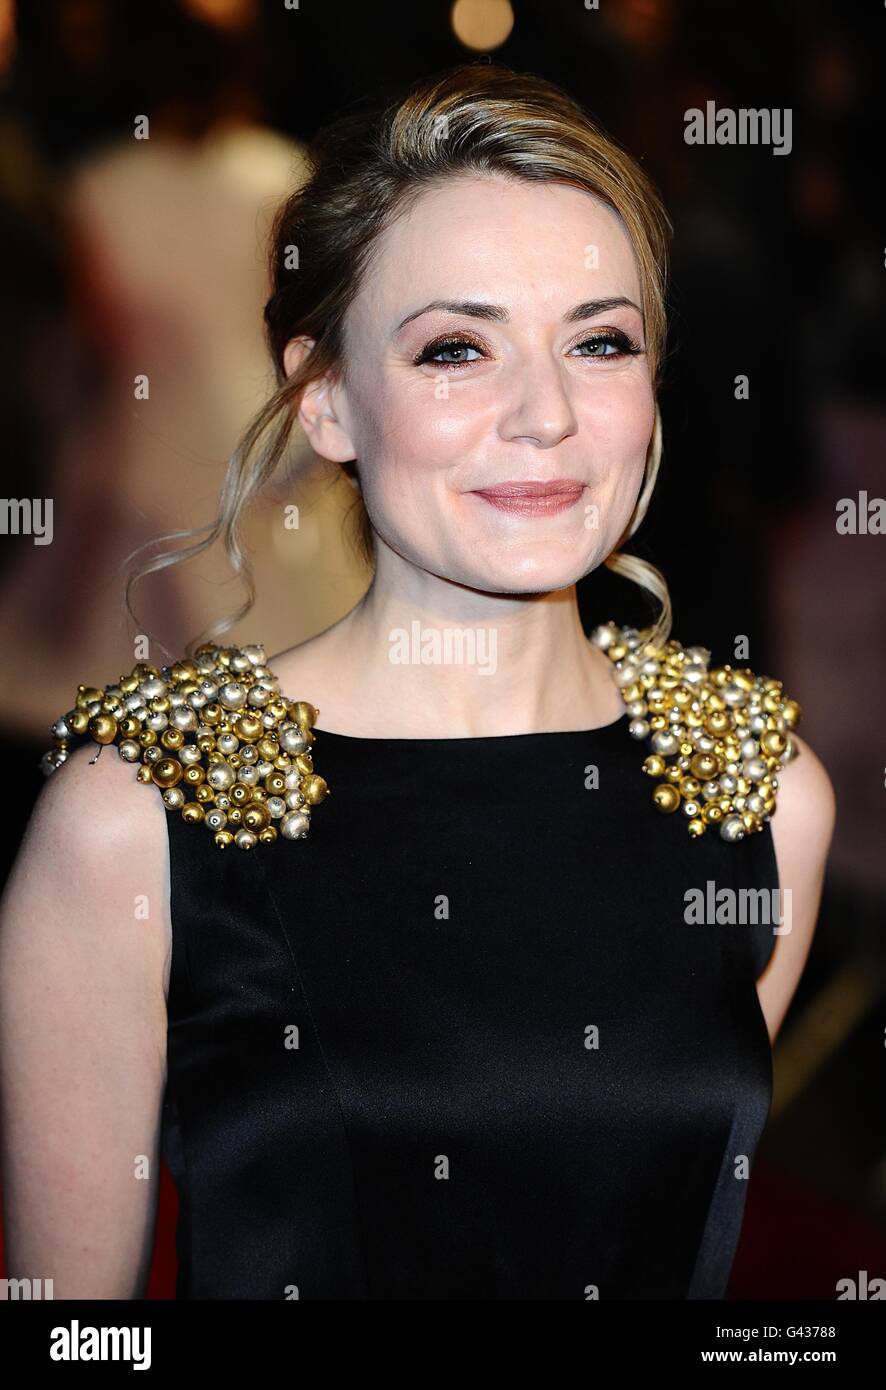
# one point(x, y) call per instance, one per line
point(469, 1038)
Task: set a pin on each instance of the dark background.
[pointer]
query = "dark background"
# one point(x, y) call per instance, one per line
point(778, 272)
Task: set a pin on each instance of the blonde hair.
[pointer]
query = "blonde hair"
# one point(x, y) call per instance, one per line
point(478, 118)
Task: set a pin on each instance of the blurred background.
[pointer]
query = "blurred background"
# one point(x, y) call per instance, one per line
point(123, 256)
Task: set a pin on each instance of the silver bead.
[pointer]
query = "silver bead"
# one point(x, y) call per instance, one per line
point(276, 806)
point(295, 825)
point(174, 798)
point(711, 790)
point(129, 750)
point(256, 653)
point(184, 719)
point(221, 776)
point(664, 742)
point(292, 740)
point(732, 829)
point(604, 635)
point(189, 754)
point(245, 839)
point(637, 708)
point(61, 729)
point(157, 722)
point(294, 800)
point(152, 688)
point(750, 748)
point(755, 769)
point(232, 695)
point(292, 780)
point(215, 819)
point(259, 695)
point(755, 803)
point(638, 728)
point(241, 662)
point(227, 743)
point(733, 695)
point(248, 776)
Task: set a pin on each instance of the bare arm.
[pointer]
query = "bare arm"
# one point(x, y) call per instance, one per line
point(83, 979)
point(802, 827)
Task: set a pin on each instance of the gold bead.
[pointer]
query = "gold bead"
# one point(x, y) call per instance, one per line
point(773, 743)
point(248, 727)
point(240, 793)
point(204, 793)
point(654, 765)
point(696, 827)
point(172, 738)
point(690, 787)
point(704, 766)
point(210, 714)
point(712, 812)
point(147, 738)
point(192, 812)
point(304, 763)
point(166, 772)
point(194, 775)
point(268, 835)
point(268, 749)
point(666, 797)
point(223, 838)
point(256, 816)
point(275, 783)
point(314, 789)
point(717, 723)
point(103, 728)
point(144, 773)
point(791, 713)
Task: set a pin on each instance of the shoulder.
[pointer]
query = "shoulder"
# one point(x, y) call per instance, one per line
point(722, 742)
point(209, 737)
point(807, 804)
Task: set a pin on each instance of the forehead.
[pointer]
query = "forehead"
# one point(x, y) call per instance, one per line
point(535, 246)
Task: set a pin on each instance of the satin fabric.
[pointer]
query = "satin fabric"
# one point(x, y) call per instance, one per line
point(379, 1078)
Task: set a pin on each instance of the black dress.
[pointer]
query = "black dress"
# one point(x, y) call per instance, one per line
point(384, 1079)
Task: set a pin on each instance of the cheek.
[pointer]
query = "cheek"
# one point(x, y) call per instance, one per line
point(618, 420)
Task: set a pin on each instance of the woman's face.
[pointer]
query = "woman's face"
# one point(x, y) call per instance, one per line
point(522, 376)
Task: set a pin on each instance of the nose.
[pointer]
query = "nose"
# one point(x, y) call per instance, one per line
point(541, 409)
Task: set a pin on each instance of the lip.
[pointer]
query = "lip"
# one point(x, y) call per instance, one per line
point(531, 498)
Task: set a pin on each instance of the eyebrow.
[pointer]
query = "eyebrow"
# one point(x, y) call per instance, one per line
point(472, 308)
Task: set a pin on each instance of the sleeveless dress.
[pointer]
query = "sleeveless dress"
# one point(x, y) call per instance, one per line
point(462, 1042)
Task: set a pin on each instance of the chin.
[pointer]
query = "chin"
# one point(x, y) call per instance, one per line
point(524, 572)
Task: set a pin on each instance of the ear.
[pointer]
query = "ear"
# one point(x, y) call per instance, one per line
point(320, 411)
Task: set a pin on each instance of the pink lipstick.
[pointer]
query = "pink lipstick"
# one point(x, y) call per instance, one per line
point(533, 498)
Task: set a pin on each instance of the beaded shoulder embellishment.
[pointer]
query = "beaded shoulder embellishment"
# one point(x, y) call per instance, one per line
point(217, 726)
point(718, 736)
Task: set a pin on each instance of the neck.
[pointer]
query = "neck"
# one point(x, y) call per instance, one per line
point(432, 659)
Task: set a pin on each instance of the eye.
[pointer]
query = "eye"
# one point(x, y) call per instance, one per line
point(432, 352)
point(619, 343)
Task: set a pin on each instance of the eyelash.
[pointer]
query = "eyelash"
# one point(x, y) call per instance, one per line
point(626, 348)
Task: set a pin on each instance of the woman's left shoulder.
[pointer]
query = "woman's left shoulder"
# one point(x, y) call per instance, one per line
point(807, 804)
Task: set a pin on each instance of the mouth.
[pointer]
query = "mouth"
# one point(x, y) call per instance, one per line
point(533, 498)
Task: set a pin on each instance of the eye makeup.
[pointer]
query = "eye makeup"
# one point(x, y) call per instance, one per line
point(621, 343)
